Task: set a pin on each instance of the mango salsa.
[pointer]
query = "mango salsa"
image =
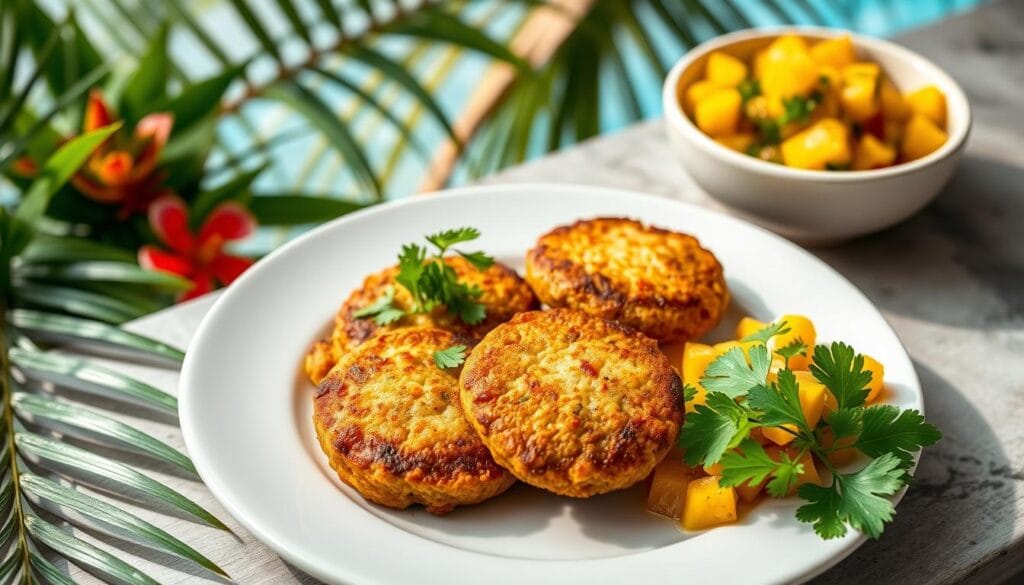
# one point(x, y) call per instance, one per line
point(708, 504)
point(719, 113)
point(921, 137)
point(823, 144)
point(696, 357)
point(815, 105)
point(668, 487)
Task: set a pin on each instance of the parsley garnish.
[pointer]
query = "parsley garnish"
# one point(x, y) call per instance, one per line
point(451, 357)
point(382, 310)
point(799, 108)
point(740, 398)
point(432, 282)
point(749, 88)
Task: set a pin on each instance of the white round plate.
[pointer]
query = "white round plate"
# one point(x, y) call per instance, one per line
point(246, 409)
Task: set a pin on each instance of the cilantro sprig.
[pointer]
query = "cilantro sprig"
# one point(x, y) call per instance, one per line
point(431, 282)
point(451, 357)
point(741, 398)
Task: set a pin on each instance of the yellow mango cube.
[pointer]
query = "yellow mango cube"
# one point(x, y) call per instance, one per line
point(699, 90)
point(872, 153)
point(708, 504)
point(748, 493)
point(725, 70)
point(719, 113)
point(844, 454)
point(929, 102)
point(894, 106)
point(837, 52)
point(800, 327)
point(823, 143)
point(831, 75)
point(696, 357)
point(739, 142)
point(789, 75)
point(921, 137)
point(861, 69)
point(749, 326)
point(668, 487)
point(877, 378)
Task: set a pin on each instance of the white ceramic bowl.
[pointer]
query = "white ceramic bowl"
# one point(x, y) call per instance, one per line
point(816, 206)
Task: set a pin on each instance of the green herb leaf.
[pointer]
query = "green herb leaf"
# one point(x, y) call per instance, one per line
point(749, 88)
point(479, 260)
point(779, 403)
point(887, 429)
point(712, 428)
point(750, 464)
point(731, 375)
point(845, 422)
point(449, 238)
point(861, 502)
point(689, 392)
point(792, 349)
point(451, 357)
point(822, 510)
point(766, 333)
point(842, 370)
point(382, 310)
point(799, 108)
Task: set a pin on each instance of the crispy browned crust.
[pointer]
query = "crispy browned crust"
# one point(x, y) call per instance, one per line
point(660, 282)
point(572, 403)
point(391, 425)
point(505, 293)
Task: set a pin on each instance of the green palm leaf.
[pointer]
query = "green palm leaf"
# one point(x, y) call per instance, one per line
point(128, 524)
point(64, 328)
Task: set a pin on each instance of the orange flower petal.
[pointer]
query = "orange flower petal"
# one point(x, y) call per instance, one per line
point(168, 217)
point(153, 130)
point(112, 169)
point(228, 221)
point(97, 113)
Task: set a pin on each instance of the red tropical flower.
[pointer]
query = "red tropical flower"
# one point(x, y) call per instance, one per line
point(123, 170)
point(198, 256)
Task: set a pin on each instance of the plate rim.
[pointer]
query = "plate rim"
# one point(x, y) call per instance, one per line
point(212, 480)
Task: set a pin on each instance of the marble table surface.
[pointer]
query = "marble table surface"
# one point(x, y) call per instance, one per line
point(950, 280)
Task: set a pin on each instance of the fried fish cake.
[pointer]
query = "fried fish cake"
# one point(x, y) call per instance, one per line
point(660, 282)
point(390, 422)
point(505, 293)
point(571, 402)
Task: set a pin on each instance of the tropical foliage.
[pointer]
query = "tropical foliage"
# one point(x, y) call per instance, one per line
point(128, 175)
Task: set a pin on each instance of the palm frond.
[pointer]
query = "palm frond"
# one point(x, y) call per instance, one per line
point(50, 442)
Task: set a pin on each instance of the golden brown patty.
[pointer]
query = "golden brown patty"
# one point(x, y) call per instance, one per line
point(659, 282)
point(390, 422)
point(572, 403)
point(504, 295)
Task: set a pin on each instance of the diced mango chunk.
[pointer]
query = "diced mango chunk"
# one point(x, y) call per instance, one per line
point(844, 454)
point(748, 493)
point(872, 153)
point(877, 378)
point(822, 144)
point(894, 106)
point(719, 113)
point(696, 357)
point(837, 52)
point(708, 504)
point(929, 102)
point(699, 90)
point(789, 75)
point(860, 86)
point(749, 326)
point(921, 137)
point(800, 327)
point(668, 487)
point(725, 70)
point(739, 142)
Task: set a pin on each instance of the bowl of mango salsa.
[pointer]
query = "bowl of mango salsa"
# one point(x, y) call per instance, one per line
point(819, 134)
